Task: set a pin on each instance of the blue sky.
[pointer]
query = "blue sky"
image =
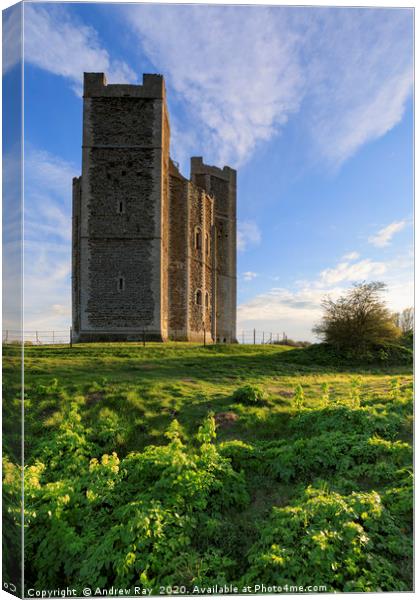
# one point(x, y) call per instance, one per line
point(313, 106)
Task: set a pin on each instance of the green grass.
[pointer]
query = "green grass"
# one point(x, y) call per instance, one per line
point(127, 396)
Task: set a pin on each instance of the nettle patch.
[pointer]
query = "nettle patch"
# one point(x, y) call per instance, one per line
point(311, 484)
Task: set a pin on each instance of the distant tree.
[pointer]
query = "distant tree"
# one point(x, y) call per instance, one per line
point(406, 320)
point(358, 320)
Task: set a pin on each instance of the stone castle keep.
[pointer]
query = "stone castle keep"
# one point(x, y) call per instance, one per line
point(153, 253)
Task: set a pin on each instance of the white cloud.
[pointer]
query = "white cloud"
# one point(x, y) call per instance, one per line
point(245, 71)
point(361, 74)
point(249, 275)
point(238, 70)
point(12, 38)
point(351, 256)
point(56, 42)
point(48, 183)
point(281, 310)
point(359, 271)
point(384, 236)
point(12, 237)
point(242, 73)
point(248, 235)
point(296, 310)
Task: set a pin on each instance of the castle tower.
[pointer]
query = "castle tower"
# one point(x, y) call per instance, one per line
point(153, 253)
point(191, 261)
point(221, 184)
point(120, 213)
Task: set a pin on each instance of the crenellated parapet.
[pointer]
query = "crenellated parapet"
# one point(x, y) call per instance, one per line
point(96, 85)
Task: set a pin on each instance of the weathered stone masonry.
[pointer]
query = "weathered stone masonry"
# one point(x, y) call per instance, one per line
point(154, 254)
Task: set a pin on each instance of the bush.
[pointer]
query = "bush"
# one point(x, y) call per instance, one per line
point(327, 355)
point(358, 320)
point(249, 394)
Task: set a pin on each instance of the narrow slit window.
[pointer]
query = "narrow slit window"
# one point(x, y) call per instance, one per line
point(198, 238)
point(207, 299)
point(207, 245)
point(121, 284)
point(120, 207)
point(198, 297)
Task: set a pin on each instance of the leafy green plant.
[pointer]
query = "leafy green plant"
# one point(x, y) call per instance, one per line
point(355, 394)
point(298, 398)
point(395, 389)
point(338, 537)
point(249, 394)
point(325, 396)
point(112, 499)
point(122, 519)
point(383, 355)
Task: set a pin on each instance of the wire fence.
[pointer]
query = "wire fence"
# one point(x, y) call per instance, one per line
point(257, 336)
point(64, 336)
point(36, 337)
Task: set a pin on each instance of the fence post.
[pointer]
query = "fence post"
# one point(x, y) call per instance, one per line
point(254, 336)
point(7, 336)
point(263, 338)
point(243, 337)
point(71, 337)
point(144, 337)
point(271, 338)
point(36, 337)
point(53, 338)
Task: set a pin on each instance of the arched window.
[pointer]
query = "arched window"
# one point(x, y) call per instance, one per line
point(198, 297)
point(198, 238)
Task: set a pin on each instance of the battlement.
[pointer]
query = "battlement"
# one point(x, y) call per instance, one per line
point(95, 85)
point(198, 167)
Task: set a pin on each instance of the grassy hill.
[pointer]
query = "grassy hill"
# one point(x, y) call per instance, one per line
point(186, 465)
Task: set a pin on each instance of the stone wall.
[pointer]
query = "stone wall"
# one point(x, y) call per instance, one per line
point(137, 261)
point(124, 209)
point(75, 255)
point(164, 262)
point(200, 263)
point(221, 184)
point(178, 271)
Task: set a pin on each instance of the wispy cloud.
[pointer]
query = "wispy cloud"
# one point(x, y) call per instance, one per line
point(384, 235)
point(12, 237)
point(282, 309)
point(360, 74)
point(248, 235)
point(60, 44)
point(296, 309)
point(245, 71)
point(237, 69)
point(249, 275)
point(48, 184)
point(358, 271)
point(12, 38)
point(351, 256)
